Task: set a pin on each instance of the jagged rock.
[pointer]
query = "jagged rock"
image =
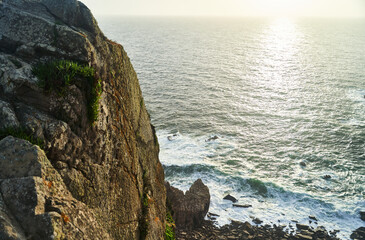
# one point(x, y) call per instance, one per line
point(34, 194)
point(362, 215)
point(257, 221)
point(303, 237)
point(302, 226)
point(109, 166)
point(239, 230)
point(8, 118)
point(313, 218)
point(327, 177)
point(189, 209)
point(358, 233)
point(230, 198)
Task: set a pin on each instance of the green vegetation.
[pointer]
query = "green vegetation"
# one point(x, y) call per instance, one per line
point(141, 103)
point(22, 134)
point(93, 98)
point(143, 222)
point(58, 75)
point(170, 225)
point(145, 201)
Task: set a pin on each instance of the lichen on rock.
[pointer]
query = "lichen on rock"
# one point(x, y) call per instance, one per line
point(100, 172)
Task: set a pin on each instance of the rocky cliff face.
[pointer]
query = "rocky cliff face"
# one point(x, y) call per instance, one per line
point(92, 181)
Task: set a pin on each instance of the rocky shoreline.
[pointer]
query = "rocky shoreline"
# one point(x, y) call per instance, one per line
point(189, 210)
point(240, 230)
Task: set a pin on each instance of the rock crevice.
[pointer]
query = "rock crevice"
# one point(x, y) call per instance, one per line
point(104, 169)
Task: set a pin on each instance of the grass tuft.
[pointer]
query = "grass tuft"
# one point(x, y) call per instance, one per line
point(170, 226)
point(56, 76)
point(22, 134)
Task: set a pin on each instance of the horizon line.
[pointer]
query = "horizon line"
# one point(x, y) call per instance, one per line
point(225, 16)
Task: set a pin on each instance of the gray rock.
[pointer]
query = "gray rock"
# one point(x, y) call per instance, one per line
point(9, 227)
point(302, 226)
point(108, 166)
point(303, 237)
point(8, 118)
point(38, 198)
point(257, 221)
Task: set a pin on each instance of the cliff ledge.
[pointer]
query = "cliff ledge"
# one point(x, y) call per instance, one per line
point(96, 178)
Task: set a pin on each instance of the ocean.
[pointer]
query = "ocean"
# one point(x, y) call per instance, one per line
point(270, 111)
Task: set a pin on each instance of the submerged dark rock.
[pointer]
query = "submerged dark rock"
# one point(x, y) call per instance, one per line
point(327, 177)
point(257, 221)
point(242, 205)
point(362, 215)
point(189, 209)
point(172, 137)
point(313, 218)
point(358, 233)
point(212, 138)
point(230, 198)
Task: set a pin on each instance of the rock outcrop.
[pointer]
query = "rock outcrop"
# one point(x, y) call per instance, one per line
point(189, 209)
point(239, 230)
point(93, 181)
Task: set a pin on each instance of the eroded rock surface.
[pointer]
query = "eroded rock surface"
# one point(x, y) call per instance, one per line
point(107, 168)
point(35, 201)
point(189, 209)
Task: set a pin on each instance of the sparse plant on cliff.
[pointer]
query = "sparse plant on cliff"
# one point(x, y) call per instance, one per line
point(170, 226)
point(22, 134)
point(58, 75)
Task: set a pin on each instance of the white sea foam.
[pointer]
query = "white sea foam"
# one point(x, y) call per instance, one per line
point(276, 94)
point(279, 207)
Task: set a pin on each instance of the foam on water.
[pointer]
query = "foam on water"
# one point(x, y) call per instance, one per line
point(285, 98)
point(186, 158)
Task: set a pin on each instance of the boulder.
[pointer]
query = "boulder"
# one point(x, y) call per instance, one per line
point(34, 201)
point(302, 226)
point(327, 177)
point(358, 233)
point(189, 209)
point(230, 198)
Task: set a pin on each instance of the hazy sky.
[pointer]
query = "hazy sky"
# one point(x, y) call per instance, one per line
point(318, 8)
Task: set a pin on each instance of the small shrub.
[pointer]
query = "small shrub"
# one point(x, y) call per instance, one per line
point(22, 134)
point(58, 75)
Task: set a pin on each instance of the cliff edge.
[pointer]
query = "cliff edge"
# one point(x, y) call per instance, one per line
point(65, 87)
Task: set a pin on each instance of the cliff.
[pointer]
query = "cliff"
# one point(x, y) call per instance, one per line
point(95, 173)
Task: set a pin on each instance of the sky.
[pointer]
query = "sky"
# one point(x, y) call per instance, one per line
point(230, 8)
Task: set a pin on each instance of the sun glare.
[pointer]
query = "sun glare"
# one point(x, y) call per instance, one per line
point(281, 8)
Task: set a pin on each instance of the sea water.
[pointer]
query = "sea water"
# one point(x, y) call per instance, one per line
point(285, 97)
